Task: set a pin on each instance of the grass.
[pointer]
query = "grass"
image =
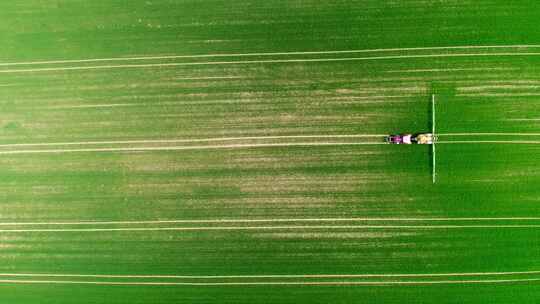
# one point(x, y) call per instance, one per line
point(316, 95)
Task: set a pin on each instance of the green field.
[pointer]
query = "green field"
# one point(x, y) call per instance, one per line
point(232, 151)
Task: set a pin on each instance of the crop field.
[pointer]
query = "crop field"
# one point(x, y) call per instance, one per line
point(181, 151)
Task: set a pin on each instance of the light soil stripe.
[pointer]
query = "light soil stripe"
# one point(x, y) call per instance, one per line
point(270, 54)
point(192, 140)
point(271, 221)
point(110, 105)
point(175, 64)
point(457, 274)
point(179, 148)
point(356, 100)
point(240, 228)
point(156, 104)
point(209, 78)
point(272, 283)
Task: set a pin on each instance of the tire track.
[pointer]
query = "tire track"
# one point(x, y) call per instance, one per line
point(274, 220)
point(184, 148)
point(247, 62)
point(139, 58)
point(146, 143)
point(521, 142)
point(262, 228)
point(196, 140)
point(269, 283)
point(273, 279)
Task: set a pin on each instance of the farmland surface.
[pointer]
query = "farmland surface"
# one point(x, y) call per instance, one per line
point(232, 151)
